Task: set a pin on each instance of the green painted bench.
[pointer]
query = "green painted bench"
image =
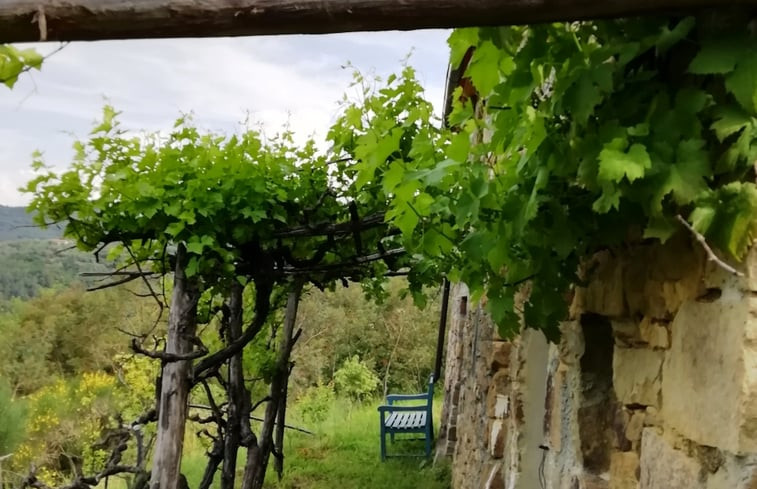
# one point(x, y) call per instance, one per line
point(408, 419)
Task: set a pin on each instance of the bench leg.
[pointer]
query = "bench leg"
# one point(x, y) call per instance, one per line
point(383, 443)
point(429, 437)
point(391, 437)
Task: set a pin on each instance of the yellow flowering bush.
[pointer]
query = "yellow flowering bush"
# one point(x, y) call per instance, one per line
point(70, 416)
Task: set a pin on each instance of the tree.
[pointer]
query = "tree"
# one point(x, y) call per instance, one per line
point(566, 139)
point(227, 215)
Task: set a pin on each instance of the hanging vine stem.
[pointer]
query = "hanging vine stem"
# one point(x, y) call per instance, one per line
point(711, 256)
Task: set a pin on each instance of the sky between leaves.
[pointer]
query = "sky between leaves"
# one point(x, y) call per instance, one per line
point(222, 82)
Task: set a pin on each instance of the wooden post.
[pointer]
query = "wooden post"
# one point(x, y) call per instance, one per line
point(236, 392)
point(442, 332)
point(258, 461)
point(175, 385)
point(70, 20)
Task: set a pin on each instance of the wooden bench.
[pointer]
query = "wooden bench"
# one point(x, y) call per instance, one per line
point(408, 419)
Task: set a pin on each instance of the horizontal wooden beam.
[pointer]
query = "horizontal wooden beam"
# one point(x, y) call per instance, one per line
point(73, 20)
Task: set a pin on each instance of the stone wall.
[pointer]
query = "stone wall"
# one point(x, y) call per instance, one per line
point(653, 384)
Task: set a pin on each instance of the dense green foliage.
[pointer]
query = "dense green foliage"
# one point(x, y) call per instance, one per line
point(226, 198)
point(30, 265)
point(32, 259)
point(13, 416)
point(395, 338)
point(70, 372)
point(220, 211)
point(581, 136)
point(355, 380)
point(64, 333)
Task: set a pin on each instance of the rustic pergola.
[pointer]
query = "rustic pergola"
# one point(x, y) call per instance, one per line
point(89, 20)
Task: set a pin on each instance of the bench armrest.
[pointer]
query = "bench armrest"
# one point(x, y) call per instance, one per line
point(405, 397)
point(391, 409)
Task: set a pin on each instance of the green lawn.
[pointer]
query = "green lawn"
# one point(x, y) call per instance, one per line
point(344, 453)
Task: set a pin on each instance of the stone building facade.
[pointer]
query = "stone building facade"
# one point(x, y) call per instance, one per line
point(652, 386)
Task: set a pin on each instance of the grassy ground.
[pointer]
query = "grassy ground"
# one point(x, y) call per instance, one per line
point(344, 453)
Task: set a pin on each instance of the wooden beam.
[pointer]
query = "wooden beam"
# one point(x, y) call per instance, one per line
point(72, 20)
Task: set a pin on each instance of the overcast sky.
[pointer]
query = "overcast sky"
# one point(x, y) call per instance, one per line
point(221, 81)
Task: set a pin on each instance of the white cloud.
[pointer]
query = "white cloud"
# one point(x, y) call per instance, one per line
point(272, 79)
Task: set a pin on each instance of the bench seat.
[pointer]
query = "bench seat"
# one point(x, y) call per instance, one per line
point(397, 419)
point(407, 421)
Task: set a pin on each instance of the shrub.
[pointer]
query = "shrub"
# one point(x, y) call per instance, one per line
point(355, 379)
point(315, 402)
point(12, 420)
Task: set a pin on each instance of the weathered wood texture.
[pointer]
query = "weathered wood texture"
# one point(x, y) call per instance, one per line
point(257, 461)
point(175, 386)
point(69, 20)
point(237, 392)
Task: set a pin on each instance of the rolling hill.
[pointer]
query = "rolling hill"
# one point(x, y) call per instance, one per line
point(16, 223)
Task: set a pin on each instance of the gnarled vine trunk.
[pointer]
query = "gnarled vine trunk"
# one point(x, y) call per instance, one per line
point(175, 384)
point(237, 393)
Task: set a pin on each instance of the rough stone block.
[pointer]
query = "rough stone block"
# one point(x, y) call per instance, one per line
point(500, 356)
point(735, 473)
point(571, 347)
point(592, 481)
point(497, 439)
point(654, 333)
point(604, 295)
point(495, 479)
point(664, 467)
point(652, 417)
point(635, 426)
point(627, 333)
point(500, 382)
point(751, 269)
point(636, 375)
point(624, 469)
point(710, 374)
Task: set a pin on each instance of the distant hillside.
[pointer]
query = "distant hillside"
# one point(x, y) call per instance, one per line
point(26, 266)
point(32, 258)
point(16, 224)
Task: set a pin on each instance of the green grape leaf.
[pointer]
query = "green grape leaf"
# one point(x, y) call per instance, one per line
point(742, 83)
point(407, 221)
point(484, 68)
point(467, 207)
point(660, 228)
point(582, 97)
point(459, 42)
point(459, 147)
point(701, 218)
point(608, 200)
point(730, 120)
point(195, 247)
point(616, 164)
point(716, 57)
point(392, 177)
point(501, 307)
point(669, 37)
point(734, 227)
point(193, 267)
point(685, 179)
